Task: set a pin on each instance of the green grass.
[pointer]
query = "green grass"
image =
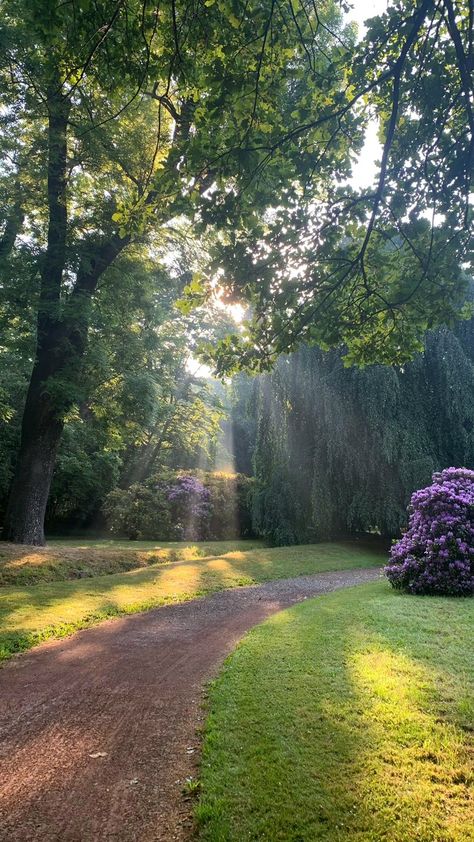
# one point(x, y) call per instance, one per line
point(202, 547)
point(31, 614)
point(347, 717)
point(65, 559)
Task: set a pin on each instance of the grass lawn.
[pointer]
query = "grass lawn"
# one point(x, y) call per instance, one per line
point(73, 559)
point(347, 717)
point(29, 614)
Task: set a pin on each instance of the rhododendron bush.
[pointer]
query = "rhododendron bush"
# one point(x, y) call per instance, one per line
point(182, 507)
point(436, 553)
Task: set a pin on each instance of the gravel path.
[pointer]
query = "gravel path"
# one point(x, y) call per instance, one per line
point(98, 731)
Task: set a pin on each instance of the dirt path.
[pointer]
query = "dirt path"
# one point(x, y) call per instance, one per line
point(129, 691)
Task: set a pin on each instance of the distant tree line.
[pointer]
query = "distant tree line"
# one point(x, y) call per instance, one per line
point(338, 451)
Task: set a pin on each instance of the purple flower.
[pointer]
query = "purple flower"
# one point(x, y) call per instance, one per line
point(435, 555)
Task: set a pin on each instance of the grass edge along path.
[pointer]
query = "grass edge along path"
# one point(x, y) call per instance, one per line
point(30, 615)
point(348, 716)
point(62, 559)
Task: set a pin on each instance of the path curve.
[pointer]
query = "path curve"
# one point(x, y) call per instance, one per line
point(129, 691)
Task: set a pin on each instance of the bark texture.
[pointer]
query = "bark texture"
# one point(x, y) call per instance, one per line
point(62, 326)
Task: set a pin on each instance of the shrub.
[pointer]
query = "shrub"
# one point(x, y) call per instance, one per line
point(436, 553)
point(138, 513)
point(188, 501)
point(182, 506)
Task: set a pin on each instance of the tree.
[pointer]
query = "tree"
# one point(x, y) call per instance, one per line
point(339, 451)
point(370, 269)
point(142, 407)
point(143, 114)
point(241, 117)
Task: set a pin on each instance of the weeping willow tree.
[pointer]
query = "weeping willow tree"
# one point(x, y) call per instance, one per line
point(338, 451)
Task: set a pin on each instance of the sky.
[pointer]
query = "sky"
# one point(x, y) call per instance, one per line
point(365, 169)
point(364, 9)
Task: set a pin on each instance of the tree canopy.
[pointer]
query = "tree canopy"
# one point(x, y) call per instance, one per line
point(372, 268)
point(225, 132)
point(142, 405)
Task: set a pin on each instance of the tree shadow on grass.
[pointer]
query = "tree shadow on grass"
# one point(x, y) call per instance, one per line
point(25, 565)
point(341, 740)
point(31, 615)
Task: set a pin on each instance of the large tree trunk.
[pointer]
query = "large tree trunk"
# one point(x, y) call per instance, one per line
point(42, 425)
point(61, 341)
point(54, 388)
point(40, 437)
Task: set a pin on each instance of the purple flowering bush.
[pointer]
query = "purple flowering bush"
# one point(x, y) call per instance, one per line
point(174, 506)
point(190, 509)
point(436, 553)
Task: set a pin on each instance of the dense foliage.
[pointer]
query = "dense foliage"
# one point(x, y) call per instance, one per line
point(130, 130)
point(436, 553)
point(122, 126)
point(339, 451)
point(190, 507)
point(141, 405)
point(371, 268)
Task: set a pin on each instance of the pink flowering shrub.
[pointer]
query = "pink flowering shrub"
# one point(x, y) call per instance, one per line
point(436, 553)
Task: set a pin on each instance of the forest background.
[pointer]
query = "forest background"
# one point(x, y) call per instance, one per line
point(164, 168)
